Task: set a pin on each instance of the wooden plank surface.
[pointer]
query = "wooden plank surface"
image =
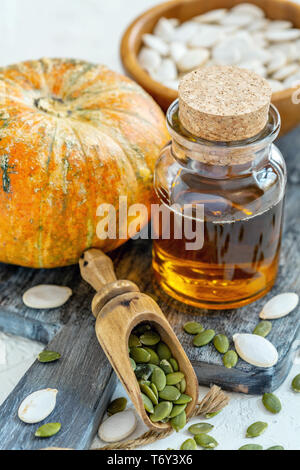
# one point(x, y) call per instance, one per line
point(84, 377)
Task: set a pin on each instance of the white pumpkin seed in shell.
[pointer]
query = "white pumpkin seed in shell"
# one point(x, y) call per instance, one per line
point(37, 406)
point(156, 43)
point(118, 427)
point(149, 59)
point(279, 306)
point(192, 59)
point(46, 296)
point(255, 350)
point(213, 16)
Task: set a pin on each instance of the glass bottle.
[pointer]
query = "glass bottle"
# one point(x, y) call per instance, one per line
point(239, 186)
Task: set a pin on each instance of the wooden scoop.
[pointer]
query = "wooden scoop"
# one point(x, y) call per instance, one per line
point(118, 307)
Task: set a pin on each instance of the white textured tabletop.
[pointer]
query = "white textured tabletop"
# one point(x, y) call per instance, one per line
point(91, 30)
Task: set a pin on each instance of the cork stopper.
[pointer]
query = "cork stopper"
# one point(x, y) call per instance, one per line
point(224, 103)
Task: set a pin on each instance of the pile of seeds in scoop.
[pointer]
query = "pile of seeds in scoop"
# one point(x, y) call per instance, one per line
point(242, 36)
point(162, 384)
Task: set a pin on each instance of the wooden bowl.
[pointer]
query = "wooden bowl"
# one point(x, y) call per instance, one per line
point(184, 10)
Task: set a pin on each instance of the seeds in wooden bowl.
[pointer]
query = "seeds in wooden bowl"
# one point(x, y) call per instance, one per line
point(240, 36)
point(161, 382)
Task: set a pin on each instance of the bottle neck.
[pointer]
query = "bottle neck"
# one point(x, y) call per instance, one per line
point(219, 159)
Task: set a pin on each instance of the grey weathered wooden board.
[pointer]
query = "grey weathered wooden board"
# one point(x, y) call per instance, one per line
point(83, 376)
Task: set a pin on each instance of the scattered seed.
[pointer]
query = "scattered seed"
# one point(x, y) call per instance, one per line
point(150, 338)
point(221, 343)
point(271, 403)
point(117, 406)
point(206, 441)
point(189, 444)
point(256, 429)
point(139, 354)
point(279, 306)
point(118, 427)
point(230, 359)
point(263, 329)
point(204, 338)
point(48, 430)
point(48, 356)
point(296, 383)
point(275, 448)
point(163, 351)
point(169, 393)
point(159, 379)
point(212, 415)
point(37, 406)
point(161, 411)
point(46, 296)
point(179, 422)
point(256, 350)
point(251, 447)
point(193, 328)
point(200, 428)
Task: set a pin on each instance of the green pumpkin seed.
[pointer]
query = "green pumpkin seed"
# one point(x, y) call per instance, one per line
point(204, 338)
point(174, 364)
point(206, 441)
point(230, 359)
point(140, 329)
point(48, 356)
point(200, 428)
point(189, 444)
point(139, 354)
point(147, 390)
point(169, 393)
point(183, 386)
point(193, 328)
point(150, 338)
point(134, 341)
point(275, 448)
point(133, 364)
point(174, 378)
point(48, 430)
point(179, 422)
point(166, 366)
point(143, 371)
point(144, 382)
point(161, 411)
point(183, 399)
point(163, 351)
point(117, 406)
point(154, 359)
point(263, 329)
point(154, 390)
point(221, 343)
point(159, 379)
point(256, 429)
point(251, 447)
point(148, 405)
point(271, 403)
point(177, 410)
point(212, 415)
point(296, 383)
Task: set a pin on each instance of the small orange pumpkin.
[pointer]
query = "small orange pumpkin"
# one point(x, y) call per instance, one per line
point(73, 135)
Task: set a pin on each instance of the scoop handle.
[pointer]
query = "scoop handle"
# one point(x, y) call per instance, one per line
point(97, 269)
